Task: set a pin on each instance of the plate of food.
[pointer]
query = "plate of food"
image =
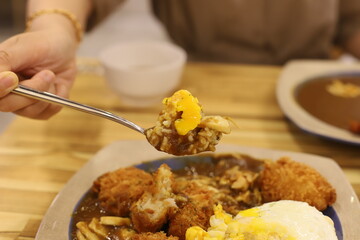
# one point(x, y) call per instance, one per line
point(129, 190)
point(322, 98)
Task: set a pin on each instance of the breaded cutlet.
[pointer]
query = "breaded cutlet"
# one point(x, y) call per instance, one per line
point(286, 179)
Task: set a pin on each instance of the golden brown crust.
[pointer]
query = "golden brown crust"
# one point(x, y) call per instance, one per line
point(152, 236)
point(143, 222)
point(155, 206)
point(119, 189)
point(289, 180)
point(195, 212)
point(192, 214)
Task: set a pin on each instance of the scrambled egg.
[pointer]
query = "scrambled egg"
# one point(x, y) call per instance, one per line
point(184, 102)
point(282, 220)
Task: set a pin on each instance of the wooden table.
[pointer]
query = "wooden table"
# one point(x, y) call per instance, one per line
point(38, 157)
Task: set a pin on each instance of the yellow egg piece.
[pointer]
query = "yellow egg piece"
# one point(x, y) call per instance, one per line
point(219, 213)
point(184, 102)
point(234, 229)
point(195, 233)
point(281, 220)
point(252, 212)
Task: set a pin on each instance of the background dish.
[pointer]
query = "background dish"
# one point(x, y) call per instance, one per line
point(294, 75)
point(334, 99)
point(56, 221)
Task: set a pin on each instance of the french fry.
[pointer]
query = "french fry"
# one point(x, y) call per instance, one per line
point(85, 230)
point(115, 221)
point(79, 235)
point(98, 228)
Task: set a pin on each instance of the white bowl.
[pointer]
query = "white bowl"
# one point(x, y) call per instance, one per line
point(142, 73)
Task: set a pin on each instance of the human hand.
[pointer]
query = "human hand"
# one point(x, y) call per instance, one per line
point(46, 60)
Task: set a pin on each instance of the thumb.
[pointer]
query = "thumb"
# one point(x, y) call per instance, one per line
point(8, 81)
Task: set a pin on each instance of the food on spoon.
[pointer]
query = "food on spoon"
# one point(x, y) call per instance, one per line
point(166, 203)
point(281, 220)
point(181, 128)
point(287, 179)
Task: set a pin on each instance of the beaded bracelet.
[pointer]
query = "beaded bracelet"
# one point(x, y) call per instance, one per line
point(65, 13)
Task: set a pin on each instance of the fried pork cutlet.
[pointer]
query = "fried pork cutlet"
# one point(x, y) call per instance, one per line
point(156, 205)
point(192, 214)
point(196, 211)
point(119, 189)
point(152, 236)
point(289, 180)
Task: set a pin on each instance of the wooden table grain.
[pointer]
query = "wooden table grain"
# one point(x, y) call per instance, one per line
point(38, 157)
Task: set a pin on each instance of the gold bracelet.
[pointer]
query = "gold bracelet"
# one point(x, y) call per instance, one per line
point(65, 13)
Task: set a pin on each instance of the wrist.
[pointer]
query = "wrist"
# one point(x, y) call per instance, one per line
point(58, 20)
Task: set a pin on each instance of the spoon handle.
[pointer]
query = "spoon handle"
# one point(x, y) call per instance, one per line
point(52, 98)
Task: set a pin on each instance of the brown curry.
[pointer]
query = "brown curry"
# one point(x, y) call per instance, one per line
point(334, 100)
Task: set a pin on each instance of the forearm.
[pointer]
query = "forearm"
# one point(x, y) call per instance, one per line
point(79, 8)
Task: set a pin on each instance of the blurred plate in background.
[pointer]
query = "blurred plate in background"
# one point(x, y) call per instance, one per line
point(322, 98)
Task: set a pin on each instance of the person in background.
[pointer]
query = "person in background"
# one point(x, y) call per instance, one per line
point(241, 31)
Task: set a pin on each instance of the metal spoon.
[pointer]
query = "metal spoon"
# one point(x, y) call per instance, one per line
point(52, 98)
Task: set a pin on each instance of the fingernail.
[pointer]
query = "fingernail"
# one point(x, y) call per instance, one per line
point(8, 80)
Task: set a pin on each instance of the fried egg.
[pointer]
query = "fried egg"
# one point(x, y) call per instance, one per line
point(191, 112)
point(281, 220)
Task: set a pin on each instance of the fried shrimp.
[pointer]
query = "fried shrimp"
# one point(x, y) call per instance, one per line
point(289, 180)
point(155, 206)
point(119, 189)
